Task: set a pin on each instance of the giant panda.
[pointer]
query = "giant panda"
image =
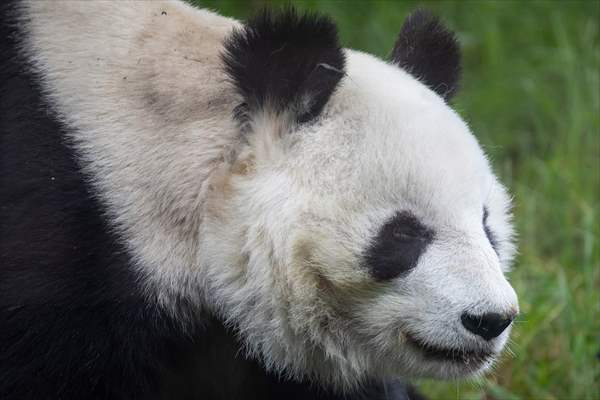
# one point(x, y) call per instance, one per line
point(199, 208)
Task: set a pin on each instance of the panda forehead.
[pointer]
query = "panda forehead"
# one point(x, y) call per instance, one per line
point(379, 104)
point(387, 134)
point(387, 82)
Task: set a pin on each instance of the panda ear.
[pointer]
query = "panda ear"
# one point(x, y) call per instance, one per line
point(285, 63)
point(430, 52)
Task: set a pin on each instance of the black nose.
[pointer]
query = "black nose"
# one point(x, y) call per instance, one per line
point(488, 326)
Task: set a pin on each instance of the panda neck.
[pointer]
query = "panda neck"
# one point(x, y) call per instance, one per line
point(148, 113)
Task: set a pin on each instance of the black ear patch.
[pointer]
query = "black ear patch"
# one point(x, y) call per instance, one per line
point(397, 247)
point(285, 62)
point(429, 51)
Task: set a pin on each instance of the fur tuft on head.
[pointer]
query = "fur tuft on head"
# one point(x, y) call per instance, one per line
point(285, 62)
point(429, 51)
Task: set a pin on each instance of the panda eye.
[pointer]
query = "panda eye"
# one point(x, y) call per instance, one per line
point(404, 233)
point(488, 232)
point(397, 247)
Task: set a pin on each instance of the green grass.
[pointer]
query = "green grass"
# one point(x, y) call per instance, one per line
point(531, 93)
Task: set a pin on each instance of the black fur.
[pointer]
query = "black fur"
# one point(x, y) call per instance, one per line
point(397, 247)
point(74, 323)
point(429, 51)
point(488, 232)
point(285, 62)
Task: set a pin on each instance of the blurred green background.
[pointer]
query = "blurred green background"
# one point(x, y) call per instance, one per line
point(531, 94)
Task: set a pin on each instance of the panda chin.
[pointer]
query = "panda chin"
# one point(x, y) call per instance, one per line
point(463, 362)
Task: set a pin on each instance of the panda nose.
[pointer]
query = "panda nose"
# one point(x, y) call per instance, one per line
point(488, 326)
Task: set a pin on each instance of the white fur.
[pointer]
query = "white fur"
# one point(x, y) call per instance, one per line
point(268, 230)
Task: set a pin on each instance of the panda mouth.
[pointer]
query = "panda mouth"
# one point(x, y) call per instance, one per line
point(461, 356)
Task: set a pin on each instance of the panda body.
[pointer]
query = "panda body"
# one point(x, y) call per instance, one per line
point(177, 221)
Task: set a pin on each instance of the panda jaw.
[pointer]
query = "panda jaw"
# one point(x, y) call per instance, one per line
point(468, 358)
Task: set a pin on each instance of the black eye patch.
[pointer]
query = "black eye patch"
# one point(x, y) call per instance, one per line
point(397, 247)
point(490, 235)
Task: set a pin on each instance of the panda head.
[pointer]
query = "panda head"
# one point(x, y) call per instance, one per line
point(358, 231)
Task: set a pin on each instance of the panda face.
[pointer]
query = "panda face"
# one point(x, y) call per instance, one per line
point(377, 233)
point(438, 237)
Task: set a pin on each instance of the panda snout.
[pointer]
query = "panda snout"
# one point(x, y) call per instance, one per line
point(488, 325)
